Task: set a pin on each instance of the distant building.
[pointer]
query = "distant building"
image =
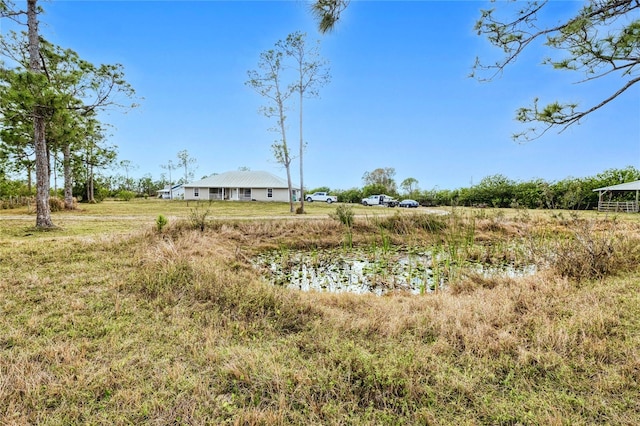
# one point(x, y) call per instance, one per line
point(628, 206)
point(172, 193)
point(240, 186)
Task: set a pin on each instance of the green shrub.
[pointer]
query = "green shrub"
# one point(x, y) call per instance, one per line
point(126, 195)
point(161, 222)
point(198, 217)
point(100, 194)
point(344, 214)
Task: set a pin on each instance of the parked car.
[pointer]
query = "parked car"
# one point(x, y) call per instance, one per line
point(380, 200)
point(321, 196)
point(408, 203)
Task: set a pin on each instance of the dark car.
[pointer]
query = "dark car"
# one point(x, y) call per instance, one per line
point(408, 203)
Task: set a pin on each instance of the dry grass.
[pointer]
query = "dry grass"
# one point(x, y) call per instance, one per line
point(176, 327)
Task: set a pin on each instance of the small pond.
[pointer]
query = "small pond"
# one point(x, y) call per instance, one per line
point(375, 271)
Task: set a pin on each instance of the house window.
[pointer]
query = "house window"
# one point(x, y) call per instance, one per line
point(245, 193)
point(269, 193)
point(215, 193)
point(196, 192)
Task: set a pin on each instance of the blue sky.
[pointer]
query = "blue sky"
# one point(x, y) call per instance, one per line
point(400, 94)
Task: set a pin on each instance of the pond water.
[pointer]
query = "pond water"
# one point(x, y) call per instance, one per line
point(375, 271)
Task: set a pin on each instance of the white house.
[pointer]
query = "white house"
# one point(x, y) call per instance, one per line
point(176, 192)
point(240, 186)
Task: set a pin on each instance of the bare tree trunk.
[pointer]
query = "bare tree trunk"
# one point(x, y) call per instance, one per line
point(291, 206)
point(86, 180)
point(68, 185)
point(285, 155)
point(55, 174)
point(29, 178)
point(90, 193)
point(43, 210)
point(91, 189)
point(301, 152)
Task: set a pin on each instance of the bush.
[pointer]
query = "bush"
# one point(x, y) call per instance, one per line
point(344, 214)
point(161, 222)
point(353, 195)
point(198, 217)
point(126, 195)
point(56, 204)
point(591, 254)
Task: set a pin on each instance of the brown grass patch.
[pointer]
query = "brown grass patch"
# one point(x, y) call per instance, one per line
point(178, 328)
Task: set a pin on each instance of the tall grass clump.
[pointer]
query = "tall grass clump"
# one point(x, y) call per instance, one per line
point(169, 272)
point(430, 222)
point(56, 204)
point(198, 217)
point(163, 272)
point(591, 249)
point(406, 224)
point(344, 214)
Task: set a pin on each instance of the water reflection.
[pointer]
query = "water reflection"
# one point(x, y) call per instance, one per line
point(375, 271)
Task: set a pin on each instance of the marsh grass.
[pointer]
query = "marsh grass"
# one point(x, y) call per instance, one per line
point(141, 327)
point(589, 249)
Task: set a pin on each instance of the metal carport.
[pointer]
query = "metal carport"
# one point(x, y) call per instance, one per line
point(618, 206)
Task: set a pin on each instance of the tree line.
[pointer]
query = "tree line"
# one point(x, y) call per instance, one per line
point(574, 193)
point(114, 180)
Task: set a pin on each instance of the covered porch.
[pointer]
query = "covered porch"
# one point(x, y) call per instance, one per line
point(606, 194)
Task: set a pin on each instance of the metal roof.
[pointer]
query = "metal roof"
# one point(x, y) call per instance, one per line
point(628, 186)
point(240, 179)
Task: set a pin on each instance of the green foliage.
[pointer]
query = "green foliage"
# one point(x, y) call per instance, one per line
point(409, 186)
point(374, 189)
point(579, 45)
point(499, 191)
point(353, 195)
point(327, 13)
point(528, 194)
point(382, 178)
point(67, 97)
point(161, 222)
point(344, 214)
point(198, 217)
point(101, 194)
point(319, 189)
point(12, 188)
point(126, 195)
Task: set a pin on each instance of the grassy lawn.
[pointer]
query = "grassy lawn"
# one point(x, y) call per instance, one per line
point(110, 321)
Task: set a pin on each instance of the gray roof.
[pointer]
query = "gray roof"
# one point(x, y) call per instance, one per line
point(628, 186)
point(240, 179)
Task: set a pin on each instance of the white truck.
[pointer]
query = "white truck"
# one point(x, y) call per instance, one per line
point(321, 196)
point(380, 200)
